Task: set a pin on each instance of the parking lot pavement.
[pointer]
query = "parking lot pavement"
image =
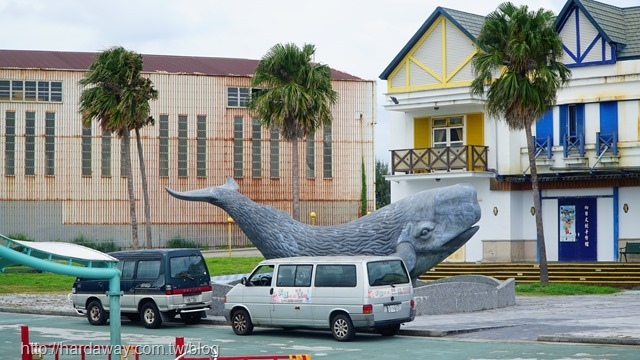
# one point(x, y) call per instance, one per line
point(597, 319)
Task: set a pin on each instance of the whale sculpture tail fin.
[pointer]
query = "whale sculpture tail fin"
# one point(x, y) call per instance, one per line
point(230, 184)
point(207, 194)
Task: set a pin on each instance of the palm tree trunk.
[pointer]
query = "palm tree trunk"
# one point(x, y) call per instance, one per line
point(145, 191)
point(542, 249)
point(126, 143)
point(295, 179)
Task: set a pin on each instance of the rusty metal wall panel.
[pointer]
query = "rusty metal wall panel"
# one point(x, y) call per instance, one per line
point(96, 201)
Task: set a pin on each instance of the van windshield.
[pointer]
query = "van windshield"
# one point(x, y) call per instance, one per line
point(187, 266)
point(387, 272)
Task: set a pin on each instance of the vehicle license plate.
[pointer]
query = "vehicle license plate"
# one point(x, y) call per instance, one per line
point(190, 298)
point(392, 308)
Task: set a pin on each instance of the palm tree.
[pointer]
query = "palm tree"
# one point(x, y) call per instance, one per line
point(523, 47)
point(118, 97)
point(296, 99)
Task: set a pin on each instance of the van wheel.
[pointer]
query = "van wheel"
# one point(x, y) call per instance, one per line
point(342, 328)
point(389, 330)
point(241, 322)
point(150, 316)
point(191, 318)
point(96, 314)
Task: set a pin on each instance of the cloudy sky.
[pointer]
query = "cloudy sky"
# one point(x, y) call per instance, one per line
point(359, 37)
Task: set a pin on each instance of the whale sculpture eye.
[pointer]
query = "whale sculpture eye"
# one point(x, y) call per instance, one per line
point(424, 230)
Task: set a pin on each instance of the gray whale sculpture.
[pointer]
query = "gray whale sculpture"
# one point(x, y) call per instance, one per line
point(423, 229)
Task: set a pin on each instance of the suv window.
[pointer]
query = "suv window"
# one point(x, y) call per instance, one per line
point(388, 272)
point(187, 266)
point(148, 269)
point(336, 276)
point(127, 268)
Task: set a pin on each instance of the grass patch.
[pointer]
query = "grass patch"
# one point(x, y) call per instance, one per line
point(24, 280)
point(564, 289)
point(35, 283)
point(232, 265)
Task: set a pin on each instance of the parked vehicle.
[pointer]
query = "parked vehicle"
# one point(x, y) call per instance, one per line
point(157, 285)
point(343, 294)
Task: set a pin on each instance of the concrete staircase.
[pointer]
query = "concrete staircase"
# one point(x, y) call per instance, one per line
point(618, 274)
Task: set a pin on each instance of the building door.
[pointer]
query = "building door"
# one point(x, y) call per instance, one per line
point(448, 143)
point(577, 229)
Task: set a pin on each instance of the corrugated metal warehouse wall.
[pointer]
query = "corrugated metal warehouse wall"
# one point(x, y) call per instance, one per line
point(91, 200)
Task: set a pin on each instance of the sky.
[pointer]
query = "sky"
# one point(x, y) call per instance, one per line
point(359, 37)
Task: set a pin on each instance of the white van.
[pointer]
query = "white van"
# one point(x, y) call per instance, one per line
point(340, 293)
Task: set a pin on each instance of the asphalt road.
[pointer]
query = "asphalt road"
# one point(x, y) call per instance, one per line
point(156, 344)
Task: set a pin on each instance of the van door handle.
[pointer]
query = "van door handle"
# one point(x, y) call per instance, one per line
point(271, 291)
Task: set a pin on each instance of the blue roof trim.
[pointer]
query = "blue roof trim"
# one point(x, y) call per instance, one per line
point(566, 10)
point(416, 37)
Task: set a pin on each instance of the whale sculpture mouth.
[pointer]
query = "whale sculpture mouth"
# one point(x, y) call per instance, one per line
point(462, 238)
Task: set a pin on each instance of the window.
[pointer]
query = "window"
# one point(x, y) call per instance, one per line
point(310, 158)
point(239, 96)
point(10, 143)
point(5, 90)
point(17, 90)
point(30, 90)
point(49, 143)
point(30, 143)
point(105, 164)
point(256, 148)
point(127, 268)
point(182, 145)
point(187, 266)
point(163, 128)
point(43, 91)
point(261, 276)
point(237, 147)
point(86, 151)
point(294, 275)
point(327, 152)
point(201, 146)
point(336, 276)
point(448, 132)
point(56, 91)
point(148, 269)
point(572, 121)
point(388, 272)
point(274, 157)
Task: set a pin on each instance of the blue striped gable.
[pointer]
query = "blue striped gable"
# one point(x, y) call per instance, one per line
point(584, 41)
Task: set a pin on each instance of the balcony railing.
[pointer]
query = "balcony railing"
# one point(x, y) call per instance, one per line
point(450, 158)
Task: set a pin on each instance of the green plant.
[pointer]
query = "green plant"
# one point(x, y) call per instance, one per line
point(563, 289)
point(179, 242)
point(363, 193)
point(103, 246)
point(19, 236)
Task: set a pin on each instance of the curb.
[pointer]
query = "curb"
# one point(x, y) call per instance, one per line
point(563, 338)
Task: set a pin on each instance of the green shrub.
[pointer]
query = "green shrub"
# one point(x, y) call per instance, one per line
point(103, 246)
point(178, 242)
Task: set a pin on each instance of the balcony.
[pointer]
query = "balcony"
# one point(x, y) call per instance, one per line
point(440, 159)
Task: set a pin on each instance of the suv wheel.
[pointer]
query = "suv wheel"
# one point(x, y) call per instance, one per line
point(96, 314)
point(241, 322)
point(342, 328)
point(150, 316)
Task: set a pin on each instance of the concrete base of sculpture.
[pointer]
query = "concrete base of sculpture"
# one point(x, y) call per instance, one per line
point(463, 293)
point(456, 294)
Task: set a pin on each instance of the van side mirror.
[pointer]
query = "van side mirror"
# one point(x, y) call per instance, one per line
point(243, 281)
